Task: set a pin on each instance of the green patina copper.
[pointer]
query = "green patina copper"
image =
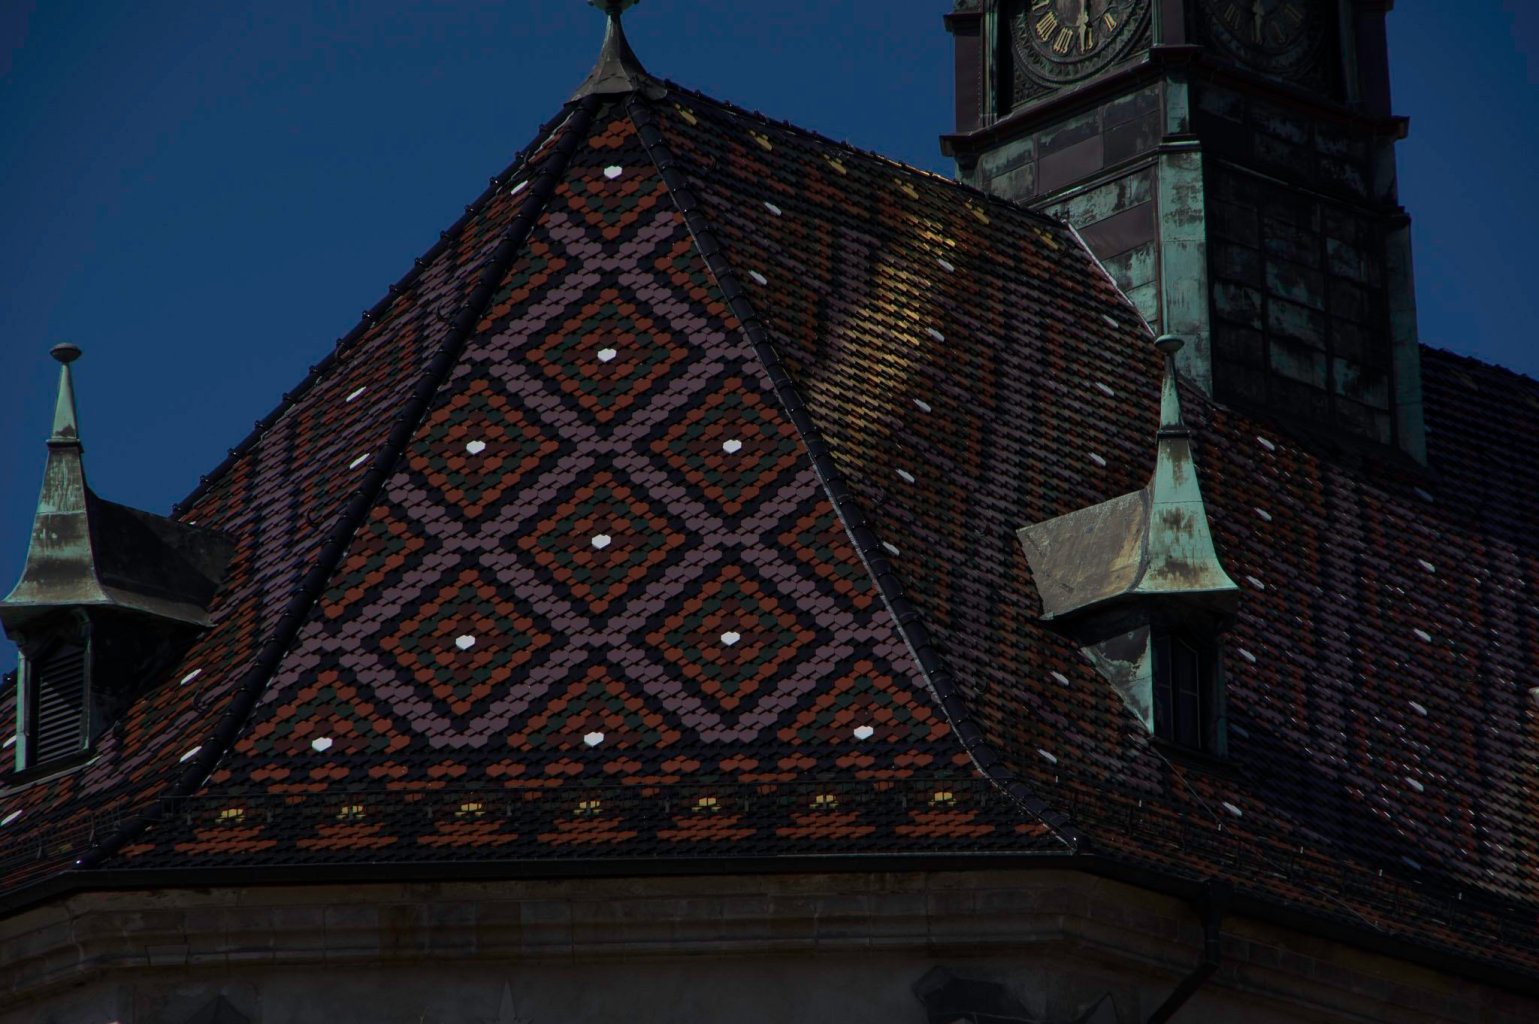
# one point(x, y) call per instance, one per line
point(59, 570)
point(1111, 573)
point(1150, 543)
point(89, 553)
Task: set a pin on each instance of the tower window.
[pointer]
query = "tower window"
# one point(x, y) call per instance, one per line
point(55, 703)
point(1187, 701)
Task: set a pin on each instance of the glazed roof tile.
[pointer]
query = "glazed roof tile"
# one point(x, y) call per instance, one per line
point(704, 546)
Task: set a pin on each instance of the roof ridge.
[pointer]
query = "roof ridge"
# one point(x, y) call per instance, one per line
point(344, 343)
point(1462, 357)
point(935, 177)
point(578, 117)
point(906, 617)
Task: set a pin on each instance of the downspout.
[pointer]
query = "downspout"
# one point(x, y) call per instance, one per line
point(1212, 902)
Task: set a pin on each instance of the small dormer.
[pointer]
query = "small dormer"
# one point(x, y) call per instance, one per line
point(1136, 582)
point(109, 596)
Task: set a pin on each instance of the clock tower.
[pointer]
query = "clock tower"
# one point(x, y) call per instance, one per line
point(1231, 162)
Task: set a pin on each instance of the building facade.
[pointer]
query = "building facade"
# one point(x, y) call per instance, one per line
point(734, 576)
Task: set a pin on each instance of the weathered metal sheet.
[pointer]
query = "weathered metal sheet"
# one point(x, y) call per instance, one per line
point(1154, 542)
point(89, 553)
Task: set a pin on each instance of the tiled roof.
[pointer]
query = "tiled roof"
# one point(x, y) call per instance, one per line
point(704, 546)
point(1377, 674)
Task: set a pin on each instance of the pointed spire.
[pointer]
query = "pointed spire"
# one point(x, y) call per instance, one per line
point(617, 70)
point(60, 570)
point(1179, 553)
point(66, 427)
point(1170, 396)
point(86, 552)
point(1146, 544)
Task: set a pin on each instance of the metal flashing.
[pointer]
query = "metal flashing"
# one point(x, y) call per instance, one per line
point(617, 70)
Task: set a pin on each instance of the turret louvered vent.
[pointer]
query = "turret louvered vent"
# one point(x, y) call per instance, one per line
point(60, 694)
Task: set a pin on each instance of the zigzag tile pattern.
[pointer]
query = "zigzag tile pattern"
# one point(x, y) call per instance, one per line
point(605, 565)
point(278, 500)
point(603, 607)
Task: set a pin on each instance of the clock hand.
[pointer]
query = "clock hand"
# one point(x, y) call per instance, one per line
point(1258, 9)
point(1082, 23)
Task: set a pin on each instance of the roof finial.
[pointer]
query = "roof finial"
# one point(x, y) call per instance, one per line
point(617, 70)
point(66, 428)
point(86, 552)
point(1170, 397)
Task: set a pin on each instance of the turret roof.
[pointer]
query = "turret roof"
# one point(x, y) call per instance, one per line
point(666, 511)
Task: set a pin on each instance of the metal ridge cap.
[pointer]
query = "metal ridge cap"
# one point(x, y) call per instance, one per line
point(906, 618)
point(268, 657)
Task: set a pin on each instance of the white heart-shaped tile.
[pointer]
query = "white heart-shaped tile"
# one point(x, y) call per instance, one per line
point(593, 739)
point(729, 638)
point(465, 642)
point(732, 447)
point(606, 354)
point(601, 541)
point(613, 171)
point(321, 743)
point(864, 732)
point(475, 447)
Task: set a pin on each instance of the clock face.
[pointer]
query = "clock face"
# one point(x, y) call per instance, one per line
point(1277, 36)
point(1056, 41)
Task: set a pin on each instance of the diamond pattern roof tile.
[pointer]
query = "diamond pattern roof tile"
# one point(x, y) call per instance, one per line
point(971, 371)
point(585, 579)
point(703, 546)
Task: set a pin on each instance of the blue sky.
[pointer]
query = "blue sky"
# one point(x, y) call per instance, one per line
point(204, 196)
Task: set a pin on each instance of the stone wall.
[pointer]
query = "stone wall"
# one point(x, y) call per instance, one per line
point(1094, 169)
point(1053, 945)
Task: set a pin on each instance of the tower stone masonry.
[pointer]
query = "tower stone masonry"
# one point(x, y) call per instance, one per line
point(1232, 164)
point(734, 577)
